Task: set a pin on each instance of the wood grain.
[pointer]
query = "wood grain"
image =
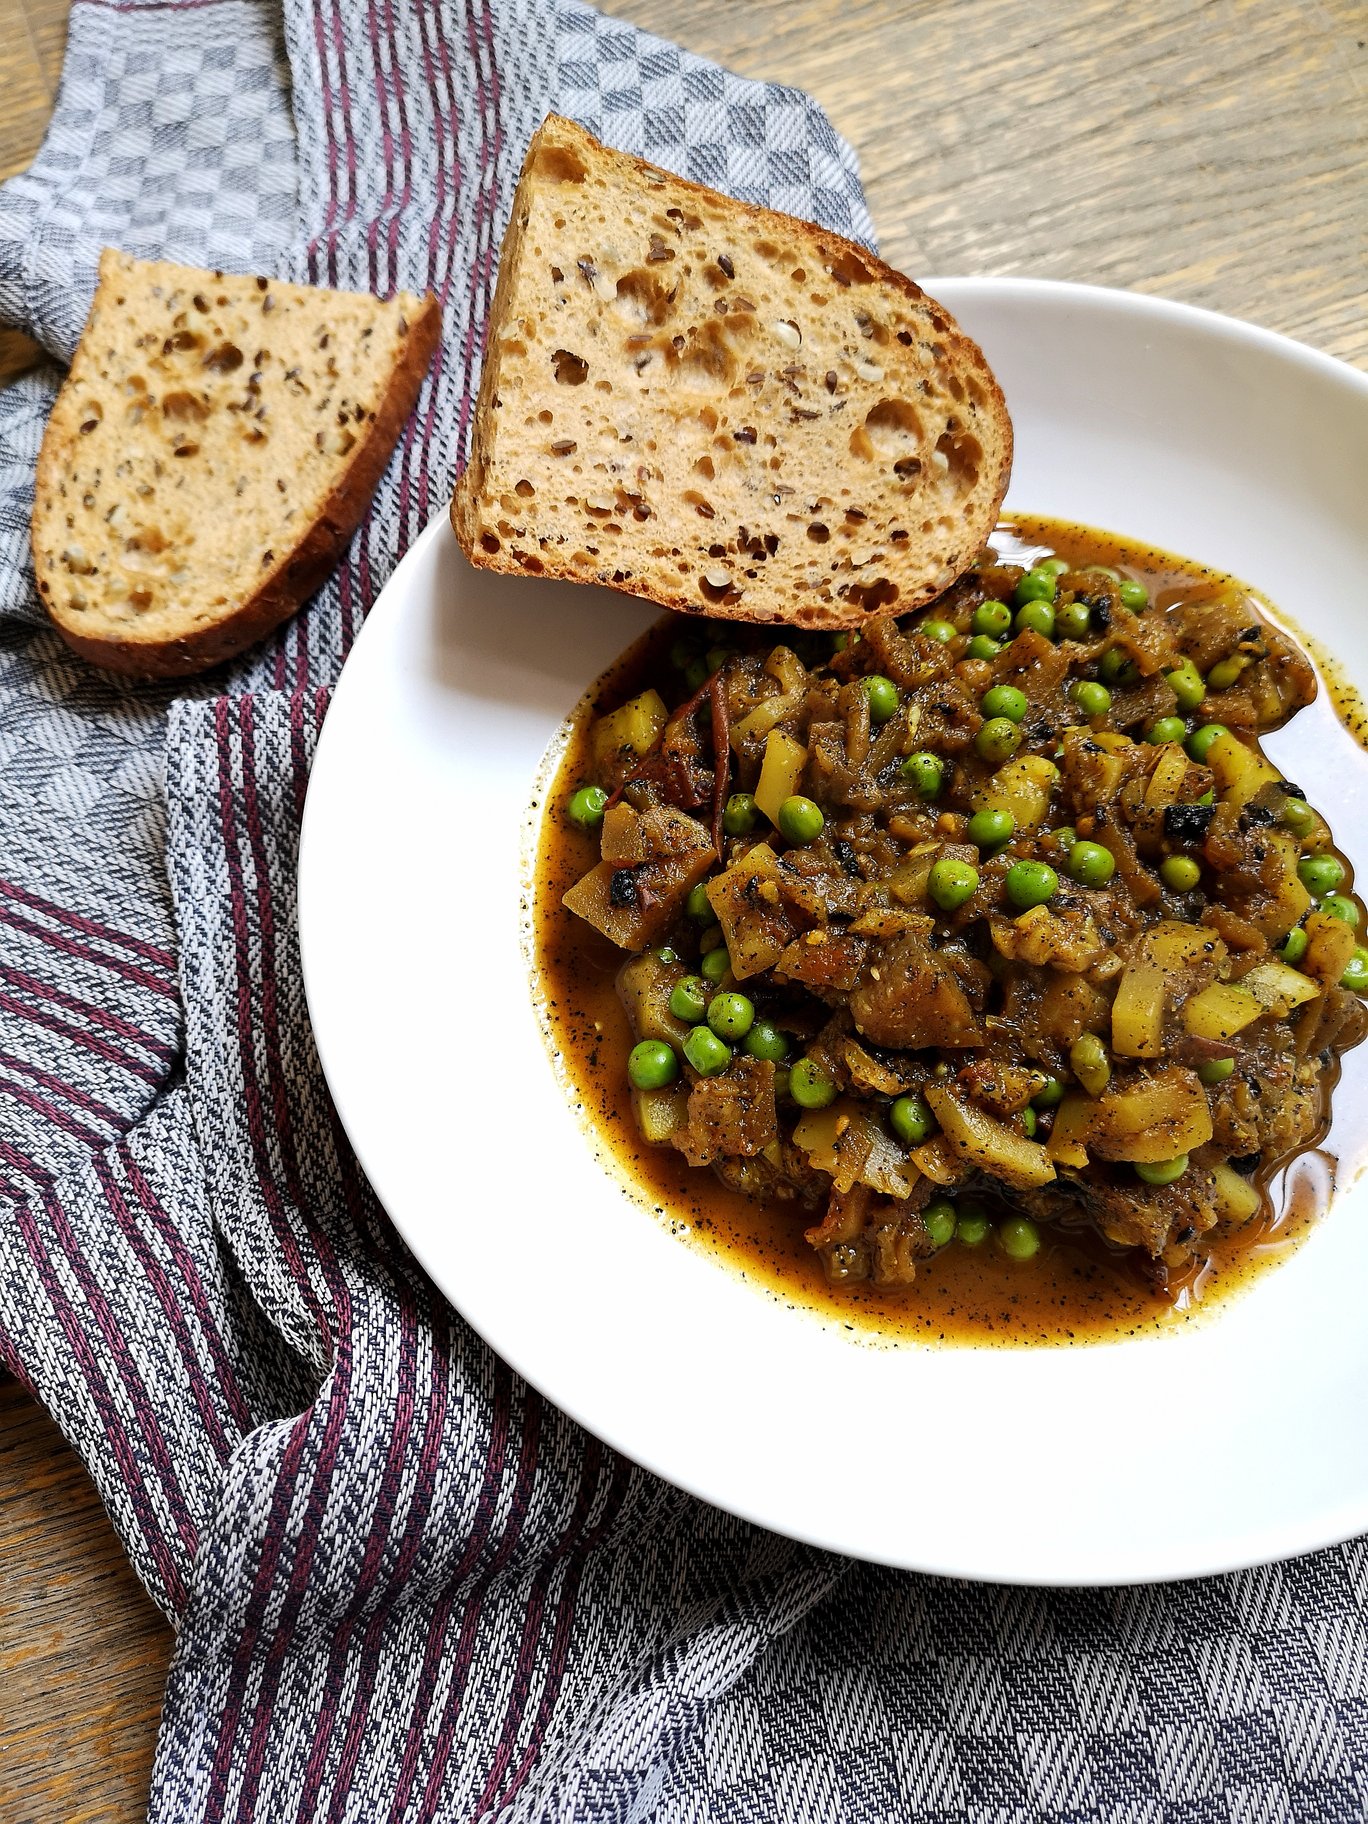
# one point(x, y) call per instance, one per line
point(1210, 150)
point(83, 1652)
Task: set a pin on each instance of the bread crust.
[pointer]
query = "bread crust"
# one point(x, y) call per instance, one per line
point(962, 547)
point(299, 571)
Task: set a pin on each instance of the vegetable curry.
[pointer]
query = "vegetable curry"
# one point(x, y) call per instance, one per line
point(978, 976)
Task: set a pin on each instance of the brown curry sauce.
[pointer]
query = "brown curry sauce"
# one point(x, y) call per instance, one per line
point(1077, 1288)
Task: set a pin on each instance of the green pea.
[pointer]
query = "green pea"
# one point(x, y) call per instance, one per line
point(1297, 814)
point(1066, 836)
point(938, 1219)
point(839, 642)
point(1226, 672)
point(666, 955)
point(716, 965)
point(1018, 1237)
point(883, 697)
point(1185, 681)
point(1049, 1096)
point(1092, 699)
point(1294, 946)
point(924, 771)
point(1320, 873)
point(997, 740)
point(1216, 1070)
point(767, 1043)
point(695, 675)
point(992, 618)
point(972, 1225)
point(698, 906)
point(810, 1086)
point(1356, 973)
point(1090, 864)
point(981, 647)
point(1035, 617)
point(651, 1065)
point(1052, 566)
point(1004, 700)
point(781, 1083)
point(1117, 667)
point(1180, 872)
point(1028, 1122)
point(911, 1120)
point(1162, 1171)
point(800, 820)
point(1201, 740)
point(738, 819)
point(1134, 595)
point(1036, 586)
point(586, 807)
point(689, 999)
point(1031, 883)
point(1073, 621)
point(1089, 1062)
point(941, 631)
point(1167, 728)
point(1339, 905)
point(731, 1016)
point(990, 829)
point(1207, 797)
point(706, 1052)
point(951, 882)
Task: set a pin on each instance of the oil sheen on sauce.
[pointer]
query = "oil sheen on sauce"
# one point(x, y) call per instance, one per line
point(1076, 1289)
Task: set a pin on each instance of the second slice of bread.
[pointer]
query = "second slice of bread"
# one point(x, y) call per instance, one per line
point(724, 409)
point(214, 446)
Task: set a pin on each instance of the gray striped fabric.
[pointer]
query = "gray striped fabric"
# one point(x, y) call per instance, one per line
point(404, 1586)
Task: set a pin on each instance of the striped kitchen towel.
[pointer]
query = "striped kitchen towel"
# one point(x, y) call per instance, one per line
point(404, 1586)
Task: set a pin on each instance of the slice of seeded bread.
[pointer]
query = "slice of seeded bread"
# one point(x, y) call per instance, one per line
point(726, 410)
point(211, 452)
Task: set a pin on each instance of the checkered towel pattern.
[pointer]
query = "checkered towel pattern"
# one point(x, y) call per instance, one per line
point(404, 1586)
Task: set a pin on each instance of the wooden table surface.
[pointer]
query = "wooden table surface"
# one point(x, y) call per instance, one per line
point(1210, 150)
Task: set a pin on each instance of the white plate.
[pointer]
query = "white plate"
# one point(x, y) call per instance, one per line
point(1240, 1439)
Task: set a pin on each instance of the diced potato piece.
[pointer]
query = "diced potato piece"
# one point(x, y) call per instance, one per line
point(1219, 1012)
point(991, 1145)
point(781, 772)
point(1163, 961)
point(847, 1141)
point(1157, 1118)
point(1022, 788)
point(754, 921)
point(1278, 987)
point(1137, 1020)
point(1167, 777)
point(644, 985)
point(1240, 772)
point(1067, 1144)
point(1330, 944)
point(1237, 1197)
point(660, 1113)
point(634, 729)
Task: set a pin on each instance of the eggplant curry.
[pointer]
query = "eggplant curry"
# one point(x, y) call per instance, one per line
point(988, 943)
